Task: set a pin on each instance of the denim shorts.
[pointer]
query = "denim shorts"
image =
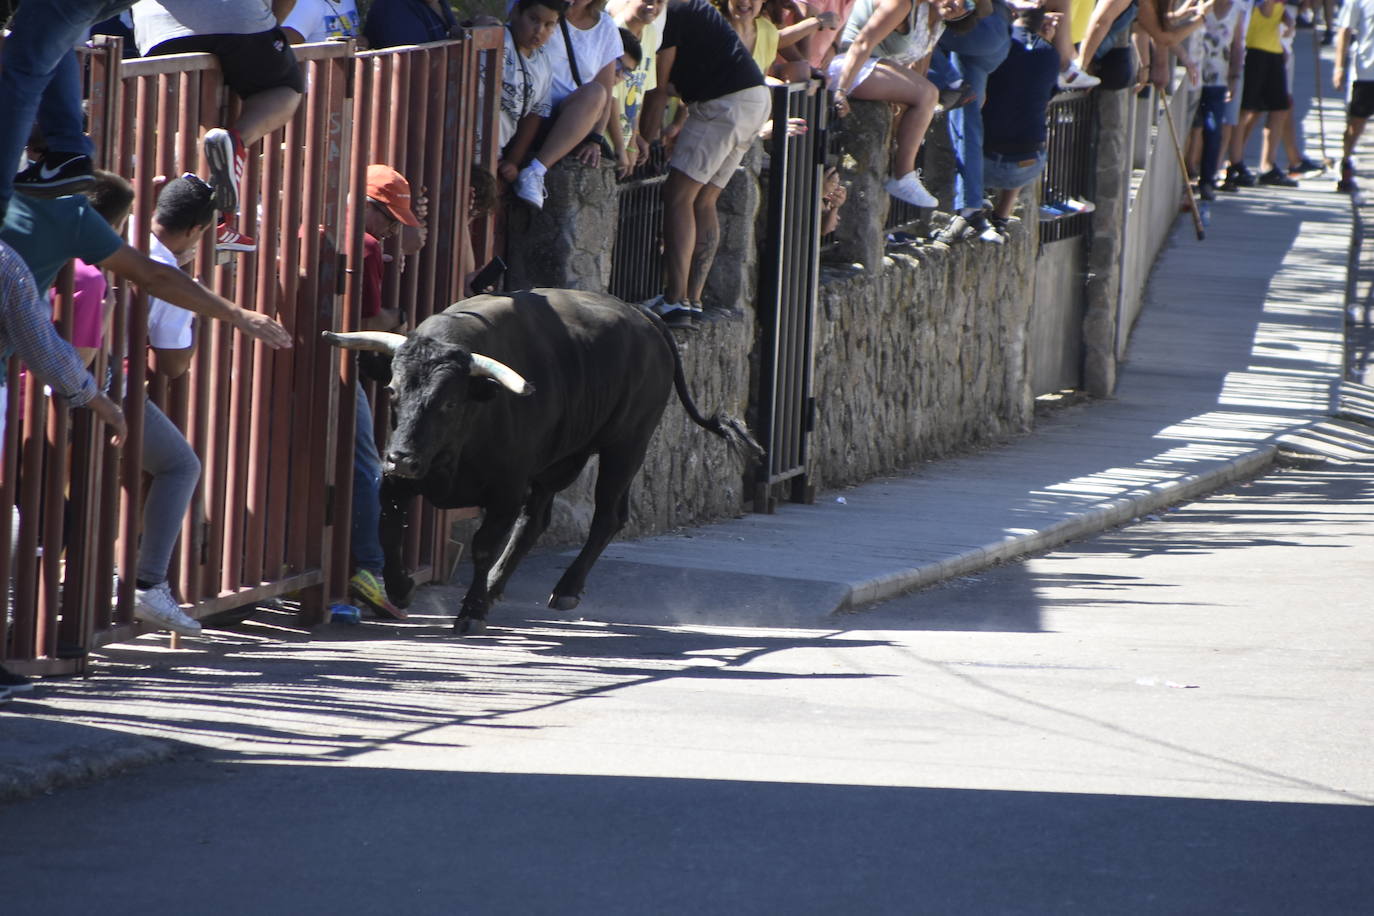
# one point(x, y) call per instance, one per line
point(1006, 173)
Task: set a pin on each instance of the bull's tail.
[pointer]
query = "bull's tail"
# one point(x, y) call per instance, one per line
point(731, 429)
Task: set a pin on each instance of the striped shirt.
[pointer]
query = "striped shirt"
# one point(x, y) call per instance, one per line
point(26, 330)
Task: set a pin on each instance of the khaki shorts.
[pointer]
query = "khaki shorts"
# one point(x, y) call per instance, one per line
point(718, 133)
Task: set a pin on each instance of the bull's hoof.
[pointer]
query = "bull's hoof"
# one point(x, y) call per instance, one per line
point(469, 626)
point(564, 602)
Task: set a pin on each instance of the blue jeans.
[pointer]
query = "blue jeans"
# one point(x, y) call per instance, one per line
point(1211, 111)
point(971, 57)
point(38, 54)
point(367, 489)
point(175, 470)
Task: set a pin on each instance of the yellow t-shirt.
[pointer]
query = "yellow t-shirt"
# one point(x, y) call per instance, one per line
point(1263, 34)
point(765, 43)
point(1079, 11)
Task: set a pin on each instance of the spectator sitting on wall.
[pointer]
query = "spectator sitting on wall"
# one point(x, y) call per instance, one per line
point(1018, 96)
point(584, 53)
point(526, 79)
point(391, 23)
point(641, 18)
point(387, 209)
point(322, 20)
point(966, 57)
point(886, 47)
point(41, 67)
point(258, 65)
point(1106, 50)
point(707, 66)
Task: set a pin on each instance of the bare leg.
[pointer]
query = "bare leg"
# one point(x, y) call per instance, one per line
point(577, 116)
point(1354, 127)
point(708, 239)
point(1273, 134)
point(897, 84)
point(679, 232)
point(266, 111)
point(1006, 202)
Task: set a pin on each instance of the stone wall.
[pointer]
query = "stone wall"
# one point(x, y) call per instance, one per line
point(921, 350)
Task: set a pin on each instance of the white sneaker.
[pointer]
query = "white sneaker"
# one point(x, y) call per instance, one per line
point(910, 189)
point(529, 187)
point(156, 605)
point(1073, 78)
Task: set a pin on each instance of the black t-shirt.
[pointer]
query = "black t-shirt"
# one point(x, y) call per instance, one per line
point(711, 61)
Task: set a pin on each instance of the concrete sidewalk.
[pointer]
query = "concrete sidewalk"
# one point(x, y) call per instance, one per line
point(1239, 354)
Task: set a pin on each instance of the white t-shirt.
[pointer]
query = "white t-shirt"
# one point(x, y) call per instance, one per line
point(321, 20)
point(1217, 35)
point(156, 21)
point(1358, 17)
point(169, 326)
point(525, 83)
point(595, 48)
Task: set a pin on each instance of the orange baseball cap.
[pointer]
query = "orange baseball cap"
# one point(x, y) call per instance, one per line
point(390, 189)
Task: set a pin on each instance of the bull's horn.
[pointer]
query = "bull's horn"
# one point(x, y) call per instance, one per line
point(500, 373)
point(381, 341)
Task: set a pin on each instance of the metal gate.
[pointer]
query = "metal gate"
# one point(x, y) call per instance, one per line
point(789, 282)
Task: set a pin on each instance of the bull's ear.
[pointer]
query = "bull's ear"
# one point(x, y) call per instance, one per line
point(482, 389)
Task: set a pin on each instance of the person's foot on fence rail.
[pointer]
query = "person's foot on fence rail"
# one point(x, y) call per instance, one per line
point(228, 238)
point(227, 158)
point(909, 188)
point(156, 605)
point(56, 175)
point(677, 315)
point(368, 588)
point(1073, 77)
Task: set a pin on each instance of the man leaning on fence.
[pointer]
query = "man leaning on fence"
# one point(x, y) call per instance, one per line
point(705, 64)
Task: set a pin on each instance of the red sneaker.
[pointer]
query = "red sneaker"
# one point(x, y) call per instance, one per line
point(227, 238)
point(228, 159)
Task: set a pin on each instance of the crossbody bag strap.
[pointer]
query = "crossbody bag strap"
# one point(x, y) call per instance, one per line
point(572, 55)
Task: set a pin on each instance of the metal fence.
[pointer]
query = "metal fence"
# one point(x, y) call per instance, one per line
point(789, 282)
point(637, 258)
point(273, 429)
point(1070, 166)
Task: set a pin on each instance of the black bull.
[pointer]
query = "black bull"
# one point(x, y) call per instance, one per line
point(499, 402)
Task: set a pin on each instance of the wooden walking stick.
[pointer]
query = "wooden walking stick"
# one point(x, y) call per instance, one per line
point(1182, 168)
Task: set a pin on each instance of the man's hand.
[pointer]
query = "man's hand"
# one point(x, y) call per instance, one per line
point(109, 413)
point(258, 325)
point(507, 171)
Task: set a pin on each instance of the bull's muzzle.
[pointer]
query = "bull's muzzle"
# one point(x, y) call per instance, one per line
point(401, 464)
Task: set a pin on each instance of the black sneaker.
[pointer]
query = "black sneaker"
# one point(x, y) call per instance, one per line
point(674, 314)
point(1277, 178)
point(1347, 183)
point(1305, 167)
point(14, 683)
point(959, 229)
point(56, 175)
point(1242, 176)
point(1206, 190)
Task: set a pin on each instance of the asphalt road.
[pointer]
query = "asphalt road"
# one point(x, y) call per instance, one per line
point(1170, 718)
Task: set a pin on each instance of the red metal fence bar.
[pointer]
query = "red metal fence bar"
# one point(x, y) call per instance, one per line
point(273, 428)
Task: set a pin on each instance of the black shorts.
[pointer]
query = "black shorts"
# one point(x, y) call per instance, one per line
point(1116, 68)
point(251, 63)
point(1361, 99)
point(1266, 82)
